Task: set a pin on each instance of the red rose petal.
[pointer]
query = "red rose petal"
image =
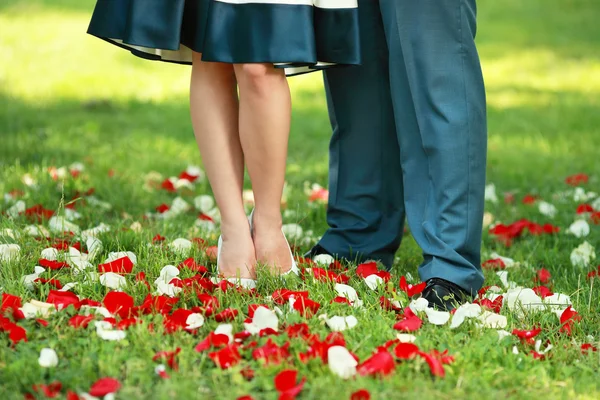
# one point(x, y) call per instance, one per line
point(63, 299)
point(542, 291)
point(366, 269)
point(50, 391)
point(119, 303)
point(123, 265)
point(409, 324)
point(543, 275)
point(494, 264)
point(362, 394)
point(285, 384)
point(577, 179)
point(567, 319)
point(435, 365)
point(411, 290)
point(306, 307)
point(381, 363)
point(53, 265)
point(226, 357)
point(80, 321)
point(104, 386)
point(227, 314)
point(406, 351)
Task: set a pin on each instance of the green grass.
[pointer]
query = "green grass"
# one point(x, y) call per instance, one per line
point(66, 97)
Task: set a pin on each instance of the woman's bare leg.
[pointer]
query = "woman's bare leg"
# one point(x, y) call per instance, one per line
point(264, 125)
point(214, 110)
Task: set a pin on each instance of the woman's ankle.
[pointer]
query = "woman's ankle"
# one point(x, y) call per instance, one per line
point(267, 221)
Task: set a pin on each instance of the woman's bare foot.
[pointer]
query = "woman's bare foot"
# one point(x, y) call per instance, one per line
point(271, 247)
point(237, 258)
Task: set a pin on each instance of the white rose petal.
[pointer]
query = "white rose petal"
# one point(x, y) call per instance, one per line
point(583, 255)
point(88, 310)
point(225, 329)
point(522, 298)
point(9, 252)
point(338, 324)
point(194, 170)
point(37, 309)
point(94, 246)
point(502, 334)
point(183, 183)
point(263, 318)
point(596, 204)
point(406, 338)
point(205, 225)
point(419, 305)
point(323, 259)
point(373, 281)
point(60, 224)
point(490, 193)
point(50, 254)
point(547, 209)
point(48, 358)
point(167, 289)
point(136, 227)
point(194, 321)
point(9, 233)
point(346, 291)
point(503, 275)
point(538, 347)
point(493, 320)
point(341, 362)
point(167, 273)
point(181, 246)
point(465, 311)
point(437, 317)
point(16, 209)
point(36, 231)
point(106, 332)
point(579, 228)
point(94, 201)
point(27, 280)
point(508, 262)
point(557, 300)
point(179, 206)
point(78, 261)
point(581, 196)
point(294, 232)
point(204, 203)
point(72, 215)
point(120, 254)
point(112, 280)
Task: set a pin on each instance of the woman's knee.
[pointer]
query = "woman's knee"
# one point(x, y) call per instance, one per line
point(258, 77)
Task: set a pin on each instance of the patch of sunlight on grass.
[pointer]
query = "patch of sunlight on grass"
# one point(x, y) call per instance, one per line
point(58, 59)
point(511, 98)
point(531, 142)
point(543, 70)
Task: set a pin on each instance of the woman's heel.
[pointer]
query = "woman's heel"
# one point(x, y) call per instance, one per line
point(246, 283)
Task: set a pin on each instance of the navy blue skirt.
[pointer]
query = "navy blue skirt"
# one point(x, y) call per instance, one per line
point(298, 35)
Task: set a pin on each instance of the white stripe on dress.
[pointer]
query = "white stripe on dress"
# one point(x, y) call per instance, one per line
point(332, 4)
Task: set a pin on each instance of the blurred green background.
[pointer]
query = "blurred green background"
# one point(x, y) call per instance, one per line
point(66, 96)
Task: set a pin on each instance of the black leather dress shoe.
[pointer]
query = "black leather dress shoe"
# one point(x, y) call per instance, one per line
point(445, 295)
point(315, 251)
